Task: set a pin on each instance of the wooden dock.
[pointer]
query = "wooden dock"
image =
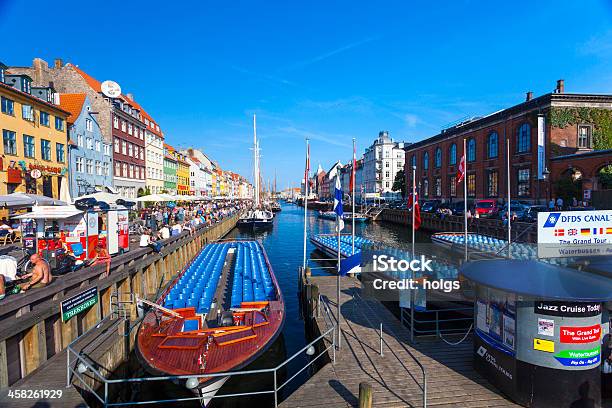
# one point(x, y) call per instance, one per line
point(395, 377)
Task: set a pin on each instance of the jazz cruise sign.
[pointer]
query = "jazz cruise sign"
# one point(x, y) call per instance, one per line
point(574, 233)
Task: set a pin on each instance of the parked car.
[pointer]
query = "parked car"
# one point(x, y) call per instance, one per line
point(515, 208)
point(430, 206)
point(531, 213)
point(487, 208)
point(457, 208)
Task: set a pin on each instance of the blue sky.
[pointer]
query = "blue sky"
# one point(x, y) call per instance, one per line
point(330, 71)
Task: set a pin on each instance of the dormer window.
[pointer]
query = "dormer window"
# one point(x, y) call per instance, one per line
point(1, 73)
point(26, 85)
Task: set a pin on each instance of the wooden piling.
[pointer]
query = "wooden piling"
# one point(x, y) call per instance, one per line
point(365, 395)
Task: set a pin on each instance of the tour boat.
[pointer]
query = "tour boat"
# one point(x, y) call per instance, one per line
point(276, 207)
point(327, 215)
point(485, 246)
point(358, 217)
point(220, 314)
point(328, 244)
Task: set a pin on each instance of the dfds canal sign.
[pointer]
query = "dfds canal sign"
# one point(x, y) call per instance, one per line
point(574, 233)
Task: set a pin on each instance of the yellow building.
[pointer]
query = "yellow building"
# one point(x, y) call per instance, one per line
point(34, 138)
point(182, 175)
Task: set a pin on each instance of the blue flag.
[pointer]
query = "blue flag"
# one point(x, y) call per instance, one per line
point(338, 202)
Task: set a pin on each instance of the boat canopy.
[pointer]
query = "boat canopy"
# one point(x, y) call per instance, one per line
point(539, 280)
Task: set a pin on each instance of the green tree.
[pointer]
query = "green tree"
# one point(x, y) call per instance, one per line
point(399, 184)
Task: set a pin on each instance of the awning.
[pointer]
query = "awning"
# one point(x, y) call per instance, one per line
point(539, 280)
point(50, 213)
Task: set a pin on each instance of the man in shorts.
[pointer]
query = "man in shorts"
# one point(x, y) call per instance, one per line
point(40, 275)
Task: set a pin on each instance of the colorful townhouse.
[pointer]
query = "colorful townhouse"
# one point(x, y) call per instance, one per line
point(170, 169)
point(89, 155)
point(34, 137)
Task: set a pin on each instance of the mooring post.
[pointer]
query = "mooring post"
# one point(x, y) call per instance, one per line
point(365, 395)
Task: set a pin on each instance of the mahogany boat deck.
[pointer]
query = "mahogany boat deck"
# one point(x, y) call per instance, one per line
point(236, 274)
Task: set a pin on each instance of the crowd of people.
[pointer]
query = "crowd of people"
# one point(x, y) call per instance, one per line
point(161, 221)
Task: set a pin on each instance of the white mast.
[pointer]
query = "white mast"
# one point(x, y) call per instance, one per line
point(255, 161)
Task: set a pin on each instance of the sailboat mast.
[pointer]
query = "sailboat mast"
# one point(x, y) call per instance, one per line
point(255, 161)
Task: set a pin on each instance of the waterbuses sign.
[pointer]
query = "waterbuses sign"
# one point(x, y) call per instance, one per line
point(78, 303)
point(574, 233)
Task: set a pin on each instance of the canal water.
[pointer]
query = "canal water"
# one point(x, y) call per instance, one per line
point(284, 246)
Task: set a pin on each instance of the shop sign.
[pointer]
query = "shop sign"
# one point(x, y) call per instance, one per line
point(35, 173)
point(567, 309)
point(78, 303)
point(574, 233)
point(46, 169)
point(586, 334)
point(578, 358)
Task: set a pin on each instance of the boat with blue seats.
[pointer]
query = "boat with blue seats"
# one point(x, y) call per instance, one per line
point(328, 243)
point(490, 247)
point(221, 313)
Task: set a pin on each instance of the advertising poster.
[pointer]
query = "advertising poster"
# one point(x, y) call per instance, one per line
point(509, 330)
point(546, 327)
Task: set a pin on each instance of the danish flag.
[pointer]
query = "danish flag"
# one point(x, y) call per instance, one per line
point(417, 210)
point(461, 169)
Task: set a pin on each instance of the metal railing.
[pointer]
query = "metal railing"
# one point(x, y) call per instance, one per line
point(81, 364)
point(411, 321)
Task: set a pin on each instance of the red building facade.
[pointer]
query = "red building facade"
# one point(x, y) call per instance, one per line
point(128, 131)
point(531, 176)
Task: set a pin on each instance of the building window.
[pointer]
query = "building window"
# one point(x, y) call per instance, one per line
point(438, 159)
point(9, 141)
point(471, 185)
point(106, 168)
point(452, 154)
point(115, 122)
point(79, 164)
point(425, 188)
point(89, 125)
point(452, 186)
point(98, 146)
point(44, 118)
point(492, 145)
point(59, 124)
point(8, 106)
point(438, 187)
point(28, 146)
point(124, 147)
point(426, 161)
point(27, 112)
point(123, 125)
point(386, 164)
point(116, 145)
point(98, 168)
point(80, 140)
point(107, 149)
point(89, 166)
point(90, 143)
point(413, 161)
point(523, 139)
point(584, 137)
point(129, 128)
point(492, 183)
point(471, 150)
point(523, 182)
point(131, 173)
point(387, 174)
point(117, 169)
point(59, 152)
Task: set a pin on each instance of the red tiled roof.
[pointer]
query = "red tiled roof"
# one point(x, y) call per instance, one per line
point(27, 95)
point(72, 103)
point(97, 86)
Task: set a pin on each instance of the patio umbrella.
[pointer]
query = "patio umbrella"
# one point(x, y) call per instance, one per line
point(103, 196)
point(154, 198)
point(20, 200)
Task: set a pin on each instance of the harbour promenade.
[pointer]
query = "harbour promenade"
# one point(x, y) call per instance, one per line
point(395, 376)
point(34, 337)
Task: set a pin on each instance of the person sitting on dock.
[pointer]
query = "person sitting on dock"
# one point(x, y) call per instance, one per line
point(40, 275)
point(145, 238)
point(101, 257)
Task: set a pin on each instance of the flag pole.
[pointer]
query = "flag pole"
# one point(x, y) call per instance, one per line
point(306, 201)
point(465, 206)
point(509, 197)
point(353, 197)
point(413, 204)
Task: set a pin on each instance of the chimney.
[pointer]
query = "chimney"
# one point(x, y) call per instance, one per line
point(560, 86)
point(58, 63)
point(529, 96)
point(130, 96)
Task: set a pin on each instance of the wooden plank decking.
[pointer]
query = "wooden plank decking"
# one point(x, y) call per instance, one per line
point(395, 377)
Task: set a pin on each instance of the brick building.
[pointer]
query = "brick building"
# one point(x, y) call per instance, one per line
point(546, 135)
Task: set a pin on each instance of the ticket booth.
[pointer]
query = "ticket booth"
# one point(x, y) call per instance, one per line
point(538, 330)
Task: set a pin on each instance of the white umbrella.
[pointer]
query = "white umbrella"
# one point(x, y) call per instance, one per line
point(103, 196)
point(65, 191)
point(153, 198)
point(15, 200)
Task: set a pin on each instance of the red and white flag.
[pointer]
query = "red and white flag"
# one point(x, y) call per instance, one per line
point(417, 210)
point(461, 169)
